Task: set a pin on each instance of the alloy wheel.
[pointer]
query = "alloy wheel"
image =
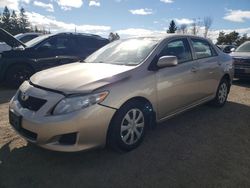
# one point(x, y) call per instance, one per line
point(222, 95)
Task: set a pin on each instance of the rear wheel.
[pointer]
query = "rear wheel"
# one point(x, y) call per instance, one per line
point(17, 74)
point(127, 128)
point(222, 93)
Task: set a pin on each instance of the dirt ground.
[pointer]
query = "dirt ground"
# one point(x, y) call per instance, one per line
point(205, 147)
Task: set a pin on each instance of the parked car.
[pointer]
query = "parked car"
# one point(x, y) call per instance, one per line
point(23, 37)
point(241, 58)
point(43, 52)
point(119, 92)
point(26, 37)
point(227, 48)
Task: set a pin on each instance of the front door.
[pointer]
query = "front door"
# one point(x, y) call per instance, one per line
point(177, 86)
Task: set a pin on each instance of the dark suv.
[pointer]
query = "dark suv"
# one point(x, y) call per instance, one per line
point(43, 52)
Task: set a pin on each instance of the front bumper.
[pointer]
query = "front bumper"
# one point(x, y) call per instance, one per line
point(89, 126)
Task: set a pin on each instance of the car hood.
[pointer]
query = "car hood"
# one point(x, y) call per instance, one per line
point(80, 77)
point(243, 55)
point(10, 39)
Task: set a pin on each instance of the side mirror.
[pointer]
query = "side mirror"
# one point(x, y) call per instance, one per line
point(167, 61)
point(232, 49)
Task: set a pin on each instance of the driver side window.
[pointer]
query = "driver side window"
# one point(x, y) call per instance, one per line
point(179, 48)
point(58, 43)
point(49, 44)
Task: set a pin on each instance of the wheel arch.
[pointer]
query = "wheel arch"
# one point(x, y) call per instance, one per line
point(17, 64)
point(148, 109)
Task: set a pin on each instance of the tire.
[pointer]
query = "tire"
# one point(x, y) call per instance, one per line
point(128, 126)
point(222, 93)
point(17, 74)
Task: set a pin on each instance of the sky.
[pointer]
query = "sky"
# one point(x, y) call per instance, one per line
point(134, 17)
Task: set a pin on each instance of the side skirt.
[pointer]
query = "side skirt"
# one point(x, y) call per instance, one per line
point(177, 112)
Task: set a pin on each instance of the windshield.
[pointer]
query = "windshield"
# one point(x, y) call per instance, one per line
point(36, 40)
point(245, 47)
point(125, 52)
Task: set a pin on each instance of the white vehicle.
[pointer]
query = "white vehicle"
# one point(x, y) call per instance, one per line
point(23, 37)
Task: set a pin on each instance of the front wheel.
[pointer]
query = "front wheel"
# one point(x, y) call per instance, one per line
point(127, 128)
point(221, 94)
point(17, 74)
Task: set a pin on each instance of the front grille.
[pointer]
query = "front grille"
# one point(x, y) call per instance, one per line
point(29, 102)
point(241, 62)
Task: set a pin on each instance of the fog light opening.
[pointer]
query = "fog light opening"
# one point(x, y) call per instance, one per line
point(68, 139)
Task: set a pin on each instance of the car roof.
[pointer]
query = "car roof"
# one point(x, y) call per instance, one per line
point(76, 34)
point(168, 35)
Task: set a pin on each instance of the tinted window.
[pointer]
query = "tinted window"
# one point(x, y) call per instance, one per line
point(179, 48)
point(89, 43)
point(202, 49)
point(27, 38)
point(59, 43)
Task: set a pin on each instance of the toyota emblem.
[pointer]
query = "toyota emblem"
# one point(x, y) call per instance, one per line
point(24, 97)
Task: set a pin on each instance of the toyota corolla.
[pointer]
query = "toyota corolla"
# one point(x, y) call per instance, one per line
point(120, 91)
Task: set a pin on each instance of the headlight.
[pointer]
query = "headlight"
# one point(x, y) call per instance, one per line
point(74, 103)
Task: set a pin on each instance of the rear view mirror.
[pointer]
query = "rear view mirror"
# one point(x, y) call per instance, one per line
point(232, 49)
point(167, 61)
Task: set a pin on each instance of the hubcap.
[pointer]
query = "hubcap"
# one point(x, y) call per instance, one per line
point(21, 75)
point(222, 93)
point(132, 126)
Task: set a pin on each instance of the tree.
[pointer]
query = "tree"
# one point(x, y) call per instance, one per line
point(243, 39)
point(230, 38)
point(14, 23)
point(6, 19)
point(23, 22)
point(172, 27)
point(113, 36)
point(183, 28)
point(36, 29)
point(221, 38)
point(207, 21)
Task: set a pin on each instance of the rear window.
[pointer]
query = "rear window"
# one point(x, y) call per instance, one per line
point(91, 42)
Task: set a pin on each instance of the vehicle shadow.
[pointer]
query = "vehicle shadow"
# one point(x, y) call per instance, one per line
point(243, 83)
point(203, 147)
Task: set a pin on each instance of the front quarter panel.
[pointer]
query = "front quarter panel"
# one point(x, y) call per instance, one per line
point(140, 83)
point(227, 65)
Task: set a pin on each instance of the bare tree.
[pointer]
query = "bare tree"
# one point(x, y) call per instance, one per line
point(195, 26)
point(183, 28)
point(207, 21)
point(194, 29)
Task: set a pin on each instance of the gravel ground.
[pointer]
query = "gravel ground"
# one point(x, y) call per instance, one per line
point(204, 147)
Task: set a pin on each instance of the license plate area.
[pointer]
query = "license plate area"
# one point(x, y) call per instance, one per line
point(15, 120)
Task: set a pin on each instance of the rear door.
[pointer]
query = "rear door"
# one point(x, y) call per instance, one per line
point(209, 66)
point(66, 49)
point(177, 86)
